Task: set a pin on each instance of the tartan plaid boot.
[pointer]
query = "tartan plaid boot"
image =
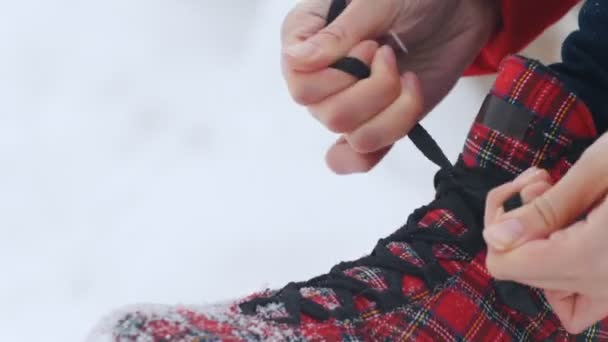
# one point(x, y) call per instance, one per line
point(427, 281)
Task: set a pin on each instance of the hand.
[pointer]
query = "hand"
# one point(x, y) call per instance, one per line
point(546, 244)
point(443, 38)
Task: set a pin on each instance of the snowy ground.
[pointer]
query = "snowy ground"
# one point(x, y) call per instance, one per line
point(150, 153)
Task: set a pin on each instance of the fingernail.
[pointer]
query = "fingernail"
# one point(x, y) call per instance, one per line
point(503, 235)
point(301, 50)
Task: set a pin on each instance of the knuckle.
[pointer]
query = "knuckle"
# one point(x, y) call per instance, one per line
point(531, 191)
point(302, 95)
point(380, 91)
point(389, 86)
point(546, 211)
point(364, 142)
point(301, 90)
point(338, 121)
point(335, 33)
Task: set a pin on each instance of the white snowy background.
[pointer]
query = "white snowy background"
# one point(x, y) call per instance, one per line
point(149, 153)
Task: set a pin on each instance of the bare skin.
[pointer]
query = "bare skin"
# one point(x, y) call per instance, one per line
point(372, 114)
point(542, 244)
point(545, 244)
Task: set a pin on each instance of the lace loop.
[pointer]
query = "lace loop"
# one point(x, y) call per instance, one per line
point(461, 191)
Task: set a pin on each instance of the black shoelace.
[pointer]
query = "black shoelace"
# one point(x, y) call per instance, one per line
point(460, 190)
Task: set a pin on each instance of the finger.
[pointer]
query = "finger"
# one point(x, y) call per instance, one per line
point(527, 194)
point(556, 263)
point(586, 265)
point(578, 313)
point(305, 20)
point(348, 109)
point(393, 123)
point(361, 20)
point(342, 159)
point(559, 206)
point(313, 87)
point(498, 236)
point(498, 196)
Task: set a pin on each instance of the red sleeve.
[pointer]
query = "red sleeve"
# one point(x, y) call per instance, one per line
point(522, 22)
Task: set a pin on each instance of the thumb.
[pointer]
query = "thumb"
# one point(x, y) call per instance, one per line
point(558, 207)
point(343, 160)
point(309, 51)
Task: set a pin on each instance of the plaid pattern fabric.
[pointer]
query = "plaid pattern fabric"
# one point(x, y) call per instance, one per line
point(463, 308)
point(560, 119)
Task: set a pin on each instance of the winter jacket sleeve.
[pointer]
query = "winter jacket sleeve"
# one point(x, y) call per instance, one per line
point(522, 22)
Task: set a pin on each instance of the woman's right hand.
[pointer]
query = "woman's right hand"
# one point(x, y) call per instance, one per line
point(443, 38)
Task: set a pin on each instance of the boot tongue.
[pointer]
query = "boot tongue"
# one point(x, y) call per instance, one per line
point(529, 119)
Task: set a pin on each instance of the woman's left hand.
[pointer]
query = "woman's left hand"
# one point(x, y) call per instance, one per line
point(558, 240)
